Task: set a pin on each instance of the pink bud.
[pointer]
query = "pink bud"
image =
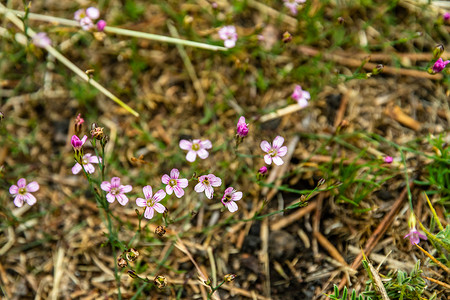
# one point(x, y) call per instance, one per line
point(101, 25)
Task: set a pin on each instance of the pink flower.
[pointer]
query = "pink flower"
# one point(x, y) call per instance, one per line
point(151, 202)
point(263, 170)
point(388, 159)
point(196, 147)
point(101, 24)
point(414, 236)
point(92, 13)
point(446, 16)
point(242, 127)
point(116, 190)
point(174, 184)
point(41, 40)
point(88, 160)
point(79, 120)
point(79, 14)
point(22, 192)
point(77, 144)
point(230, 196)
point(228, 35)
point(293, 5)
point(274, 152)
point(206, 183)
point(439, 65)
point(86, 23)
point(301, 96)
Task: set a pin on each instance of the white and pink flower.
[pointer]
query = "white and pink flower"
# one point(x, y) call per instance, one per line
point(293, 5)
point(22, 192)
point(41, 40)
point(228, 35)
point(151, 202)
point(87, 161)
point(229, 198)
point(196, 147)
point(206, 184)
point(77, 144)
point(274, 151)
point(116, 190)
point(174, 183)
point(301, 96)
point(242, 128)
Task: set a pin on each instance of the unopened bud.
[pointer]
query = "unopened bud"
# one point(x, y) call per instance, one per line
point(97, 133)
point(160, 281)
point(160, 230)
point(78, 124)
point(229, 277)
point(302, 198)
point(132, 274)
point(437, 51)
point(378, 69)
point(321, 182)
point(287, 37)
point(341, 20)
point(121, 262)
point(132, 254)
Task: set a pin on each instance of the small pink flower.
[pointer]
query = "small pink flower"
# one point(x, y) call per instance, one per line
point(88, 160)
point(439, 65)
point(92, 13)
point(274, 152)
point(446, 16)
point(301, 96)
point(101, 24)
point(228, 35)
point(242, 127)
point(206, 183)
point(41, 40)
point(151, 202)
point(86, 23)
point(414, 236)
point(116, 190)
point(77, 144)
point(79, 14)
point(174, 184)
point(22, 192)
point(229, 198)
point(79, 120)
point(196, 147)
point(293, 5)
point(388, 159)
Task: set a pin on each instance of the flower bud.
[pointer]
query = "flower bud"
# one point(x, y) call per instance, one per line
point(321, 182)
point(160, 281)
point(121, 262)
point(262, 173)
point(437, 51)
point(388, 159)
point(132, 274)
point(229, 277)
point(101, 24)
point(287, 37)
point(378, 69)
point(160, 230)
point(78, 124)
point(341, 20)
point(97, 132)
point(132, 254)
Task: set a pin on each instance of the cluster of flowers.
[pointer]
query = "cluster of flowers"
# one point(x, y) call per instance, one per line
point(87, 18)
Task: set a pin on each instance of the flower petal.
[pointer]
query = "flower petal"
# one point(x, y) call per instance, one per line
point(110, 197)
point(159, 208)
point(236, 196)
point(282, 151)
point(21, 183)
point(209, 191)
point(18, 201)
point(229, 43)
point(191, 155)
point(229, 190)
point(30, 199)
point(265, 146)
point(125, 188)
point(89, 168)
point(232, 207)
point(147, 192)
point(185, 145)
point(141, 202)
point(115, 182)
point(76, 169)
point(278, 142)
point(241, 121)
point(202, 153)
point(182, 183)
point(122, 199)
point(14, 189)
point(32, 186)
point(174, 173)
point(278, 161)
point(148, 214)
point(106, 186)
point(178, 192)
point(169, 190)
point(268, 159)
point(159, 195)
point(206, 144)
point(165, 179)
point(94, 159)
point(215, 181)
point(200, 187)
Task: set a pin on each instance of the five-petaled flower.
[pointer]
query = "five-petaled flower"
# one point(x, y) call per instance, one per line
point(77, 144)
point(206, 183)
point(274, 152)
point(22, 192)
point(242, 128)
point(439, 65)
point(415, 236)
point(87, 161)
point(229, 198)
point(301, 96)
point(293, 5)
point(41, 40)
point(151, 202)
point(196, 147)
point(116, 190)
point(228, 35)
point(174, 184)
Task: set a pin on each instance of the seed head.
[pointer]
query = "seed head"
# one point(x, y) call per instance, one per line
point(160, 230)
point(132, 254)
point(160, 281)
point(229, 277)
point(121, 262)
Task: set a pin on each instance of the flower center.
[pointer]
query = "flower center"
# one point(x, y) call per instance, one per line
point(22, 191)
point(173, 182)
point(150, 202)
point(227, 198)
point(206, 181)
point(195, 147)
point(273, 152)
point(85, 161)
point(115, 191)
